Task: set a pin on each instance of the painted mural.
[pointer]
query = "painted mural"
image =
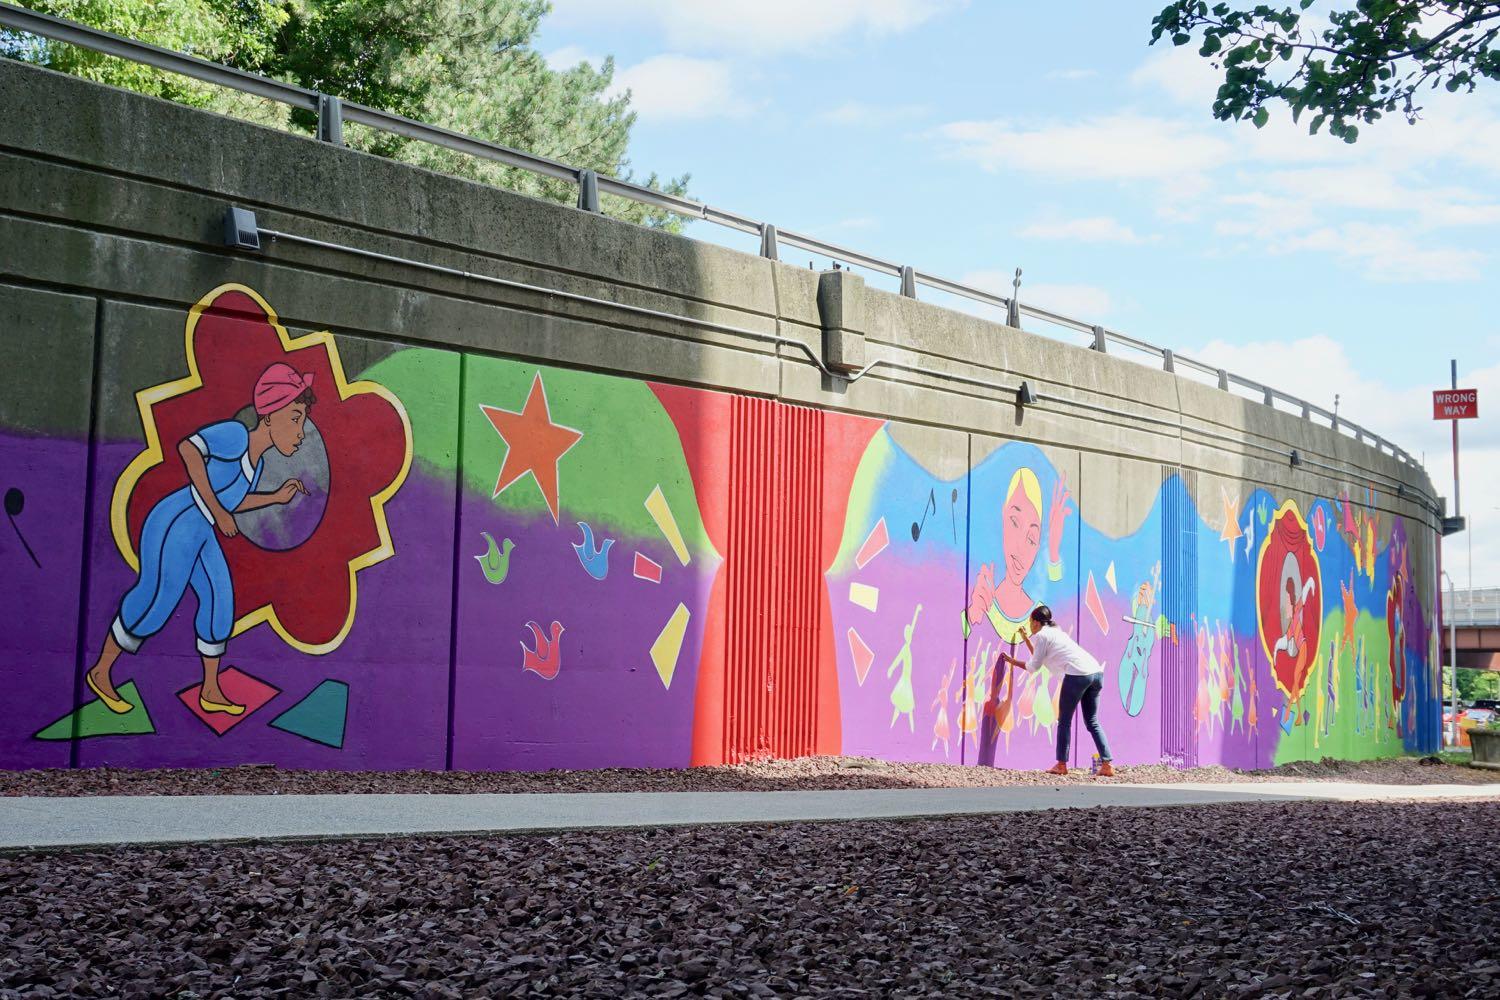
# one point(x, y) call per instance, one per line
point(454, 560)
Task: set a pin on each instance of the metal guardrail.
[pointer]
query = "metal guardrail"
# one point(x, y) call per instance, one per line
point(332, 112)
point(1480, 606)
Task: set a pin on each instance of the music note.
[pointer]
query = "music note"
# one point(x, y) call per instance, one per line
point(916, 529)
point(15, 502)
point(953, 512)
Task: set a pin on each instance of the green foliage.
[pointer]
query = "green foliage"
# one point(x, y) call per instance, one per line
point(464, 65)
point(1363, 63)
point(1475, 684)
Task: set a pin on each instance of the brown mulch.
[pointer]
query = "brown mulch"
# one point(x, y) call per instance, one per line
point(1263, 900)
point(802, 773)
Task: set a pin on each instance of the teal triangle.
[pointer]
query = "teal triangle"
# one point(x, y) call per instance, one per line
point(318, 717)
point(93, 718)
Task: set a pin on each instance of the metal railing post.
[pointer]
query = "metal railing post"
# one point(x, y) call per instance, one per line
point(330, 119)
point(1168, 360)
point(908, 281)
point(1101, 342)
point(768, 247)
point(588, 190)
point(1223, 380)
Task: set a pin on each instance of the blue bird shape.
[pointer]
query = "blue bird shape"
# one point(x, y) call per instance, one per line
point(595, 562)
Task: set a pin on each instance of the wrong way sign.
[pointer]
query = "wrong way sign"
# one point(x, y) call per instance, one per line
point(1455, 404)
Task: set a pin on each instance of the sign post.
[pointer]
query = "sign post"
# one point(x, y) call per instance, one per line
point(1455, 404)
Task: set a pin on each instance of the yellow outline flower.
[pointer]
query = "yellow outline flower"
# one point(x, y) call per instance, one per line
point(152, 455)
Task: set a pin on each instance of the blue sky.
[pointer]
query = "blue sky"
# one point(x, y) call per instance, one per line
point(971, 138)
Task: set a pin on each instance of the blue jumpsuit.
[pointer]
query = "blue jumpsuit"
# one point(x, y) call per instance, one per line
point(180, 548)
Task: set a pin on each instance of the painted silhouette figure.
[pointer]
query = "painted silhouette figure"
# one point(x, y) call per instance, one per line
point(546, 660)
point(903, 698)
point(180, 539)
point(941, 731)
point(1237, 706)
point(1005, 602)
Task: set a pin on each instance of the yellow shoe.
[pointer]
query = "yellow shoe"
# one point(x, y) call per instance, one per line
point(119, 706)
point(219, 706)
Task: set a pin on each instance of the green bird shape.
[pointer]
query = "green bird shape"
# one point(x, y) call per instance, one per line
point(496, 560)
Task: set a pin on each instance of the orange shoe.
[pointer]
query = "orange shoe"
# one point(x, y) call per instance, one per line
point(1106, 769)
point(1058, 768)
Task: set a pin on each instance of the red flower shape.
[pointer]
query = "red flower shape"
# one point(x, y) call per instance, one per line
point(308, 592)
point(1289, 600)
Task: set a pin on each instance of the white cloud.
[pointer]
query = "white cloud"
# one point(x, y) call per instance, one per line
point(760, 26)
point(1181, 74)
point(1387, 253)
point(1315, 368)
point(569, 56)
point(1387, 206)
point(1095, 229)
point(1119, 147)
point(1085, 302)
point(863, 114)
point(674, 87)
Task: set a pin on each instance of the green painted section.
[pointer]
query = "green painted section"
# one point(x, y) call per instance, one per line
point(426, 382)
point(1355, 731)
point(862, 494)
point(93, 718)
point(629, 443)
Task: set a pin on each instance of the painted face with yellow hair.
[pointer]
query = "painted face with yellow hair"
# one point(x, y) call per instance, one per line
point(1021, 525)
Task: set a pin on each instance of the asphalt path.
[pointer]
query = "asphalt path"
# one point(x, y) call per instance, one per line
point(100, 821)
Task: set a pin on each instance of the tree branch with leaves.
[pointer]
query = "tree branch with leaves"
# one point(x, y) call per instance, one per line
point(1360, 64)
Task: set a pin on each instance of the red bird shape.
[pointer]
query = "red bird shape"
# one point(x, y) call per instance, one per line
point(546, 660)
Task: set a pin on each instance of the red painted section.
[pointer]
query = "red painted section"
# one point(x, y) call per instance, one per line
point(772, 482)
point(702, 421)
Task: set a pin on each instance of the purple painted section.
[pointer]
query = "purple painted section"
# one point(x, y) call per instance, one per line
point(937, 647)
point(606, 706)
point(40, 624)
point(394, 659)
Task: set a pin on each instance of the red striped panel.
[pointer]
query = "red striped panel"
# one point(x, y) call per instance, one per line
point(774, 605)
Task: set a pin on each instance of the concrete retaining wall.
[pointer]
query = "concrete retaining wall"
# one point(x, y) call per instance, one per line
point(543, 531)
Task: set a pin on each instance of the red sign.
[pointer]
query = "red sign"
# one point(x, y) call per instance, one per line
point(1455, 404)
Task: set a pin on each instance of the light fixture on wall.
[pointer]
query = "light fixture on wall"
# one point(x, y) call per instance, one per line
point(1296, 458)
point(240, 229)
point(1026, 395)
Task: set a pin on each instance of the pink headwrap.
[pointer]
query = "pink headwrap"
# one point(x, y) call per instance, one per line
point(278, 385)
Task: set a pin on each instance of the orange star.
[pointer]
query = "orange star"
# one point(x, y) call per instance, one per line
point(1231, 530)
point(533, 444)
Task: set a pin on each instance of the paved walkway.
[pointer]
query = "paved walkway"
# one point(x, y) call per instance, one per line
point(133, 819)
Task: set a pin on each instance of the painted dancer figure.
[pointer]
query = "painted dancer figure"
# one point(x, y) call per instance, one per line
point(1083, 679)
point(903, 697)
point(179, 541)
point(942, 732)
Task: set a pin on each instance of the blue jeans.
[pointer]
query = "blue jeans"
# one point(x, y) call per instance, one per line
point(1078, 689)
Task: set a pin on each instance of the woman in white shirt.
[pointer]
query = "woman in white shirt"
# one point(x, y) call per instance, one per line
point(1083, 679)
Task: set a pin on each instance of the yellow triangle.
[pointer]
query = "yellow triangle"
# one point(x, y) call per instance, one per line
point(668, 645)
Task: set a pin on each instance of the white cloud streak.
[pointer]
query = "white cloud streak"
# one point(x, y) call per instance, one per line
point(755, 26)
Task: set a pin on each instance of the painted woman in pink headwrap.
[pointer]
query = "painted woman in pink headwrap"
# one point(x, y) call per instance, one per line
point(179, 541)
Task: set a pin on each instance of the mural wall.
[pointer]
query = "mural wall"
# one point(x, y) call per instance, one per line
point(236, 543)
